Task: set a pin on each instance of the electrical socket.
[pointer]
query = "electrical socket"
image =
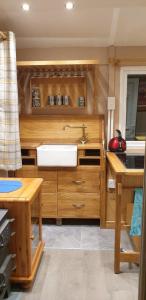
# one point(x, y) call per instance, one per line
point(111, 183)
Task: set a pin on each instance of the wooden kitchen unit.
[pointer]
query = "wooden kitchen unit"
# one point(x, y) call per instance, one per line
point(67, 192)
point(24, 207)
point(126, 181)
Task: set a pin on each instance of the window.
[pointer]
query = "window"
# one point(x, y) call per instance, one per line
point(132, 109)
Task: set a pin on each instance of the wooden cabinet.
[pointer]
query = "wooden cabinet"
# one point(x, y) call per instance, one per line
point(48, 190)
point(79, 193)
point(49, 205)
point(72, 192)
point(86, 181)
point(126, 182)
point(66, 88)
point(25, 207)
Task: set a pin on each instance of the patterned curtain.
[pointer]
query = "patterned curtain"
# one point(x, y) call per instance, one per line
point(10, 154)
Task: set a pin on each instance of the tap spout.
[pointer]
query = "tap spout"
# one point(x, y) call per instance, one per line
point(83, 139)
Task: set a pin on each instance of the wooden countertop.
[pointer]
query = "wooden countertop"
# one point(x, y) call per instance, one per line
point(30, 187)
point(33, 145)
point(119, 168)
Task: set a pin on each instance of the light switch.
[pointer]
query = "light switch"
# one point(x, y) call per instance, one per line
point(111, 103)
point(111, 183)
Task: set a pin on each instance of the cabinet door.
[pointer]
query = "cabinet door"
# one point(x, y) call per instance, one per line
point(79, 205)
point(49, 205)
point(87, 180)
point(50, 177)
point(27, 171)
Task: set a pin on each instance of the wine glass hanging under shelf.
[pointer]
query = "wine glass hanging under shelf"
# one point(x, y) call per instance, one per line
point(56, 73)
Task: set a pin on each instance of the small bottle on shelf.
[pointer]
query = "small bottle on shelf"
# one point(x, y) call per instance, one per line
point(58, 99)
point(36, 99)
point(51, 100)
point(81, 101)
point(66, 100)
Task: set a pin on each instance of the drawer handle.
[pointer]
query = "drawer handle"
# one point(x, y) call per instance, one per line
point(78, 181)
point(78, 205)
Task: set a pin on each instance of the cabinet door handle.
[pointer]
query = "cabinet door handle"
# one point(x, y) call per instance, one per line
point(78, 205)
point(32, 237)
point(78, 181)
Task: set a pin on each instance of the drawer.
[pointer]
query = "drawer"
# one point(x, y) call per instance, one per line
point(79, 205)
point(79, 181)
point(49, 205)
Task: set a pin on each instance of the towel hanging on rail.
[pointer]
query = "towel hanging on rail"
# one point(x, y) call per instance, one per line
point(136, 222)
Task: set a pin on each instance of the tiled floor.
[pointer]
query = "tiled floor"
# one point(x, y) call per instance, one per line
point(86, 237)
point(78, 265)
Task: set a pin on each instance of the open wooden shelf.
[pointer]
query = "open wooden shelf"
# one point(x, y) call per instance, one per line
point(74, 80)
point(57, 110)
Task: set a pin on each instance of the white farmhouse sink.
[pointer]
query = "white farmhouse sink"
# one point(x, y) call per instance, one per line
point(57, 155)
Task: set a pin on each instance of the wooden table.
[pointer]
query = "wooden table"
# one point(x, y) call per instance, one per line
point(25, 207)
point(126, 181)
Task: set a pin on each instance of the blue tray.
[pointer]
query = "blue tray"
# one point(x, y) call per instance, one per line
point(9, 185)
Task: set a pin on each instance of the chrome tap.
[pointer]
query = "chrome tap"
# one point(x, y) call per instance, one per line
point(84, 138)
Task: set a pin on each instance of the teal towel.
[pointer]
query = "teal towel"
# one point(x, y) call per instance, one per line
point(136, 222)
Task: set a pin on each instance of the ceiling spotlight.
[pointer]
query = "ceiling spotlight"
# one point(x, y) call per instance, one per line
point(69, 5)
point(25, 6)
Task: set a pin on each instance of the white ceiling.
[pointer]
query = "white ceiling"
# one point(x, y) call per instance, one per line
point(92, 23)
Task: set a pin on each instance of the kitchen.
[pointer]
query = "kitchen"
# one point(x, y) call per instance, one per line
point(90, 80)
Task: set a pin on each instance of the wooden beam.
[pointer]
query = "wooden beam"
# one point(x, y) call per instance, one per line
point(56, 62)
point(130, 256)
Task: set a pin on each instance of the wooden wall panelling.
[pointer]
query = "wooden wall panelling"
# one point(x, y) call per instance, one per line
point(24, 91)
point(42, 128)
point(90, 92)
